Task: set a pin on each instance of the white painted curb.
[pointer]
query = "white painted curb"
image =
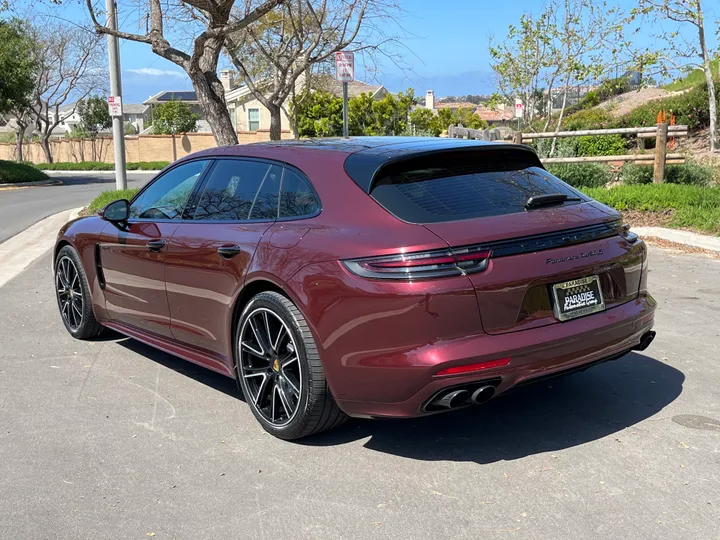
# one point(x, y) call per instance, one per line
point(18, 252)
point(680, 237)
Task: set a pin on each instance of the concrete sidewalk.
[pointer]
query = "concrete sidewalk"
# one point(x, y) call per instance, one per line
point(680, 237)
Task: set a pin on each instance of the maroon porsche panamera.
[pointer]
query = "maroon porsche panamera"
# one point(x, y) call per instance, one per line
point(367, 277)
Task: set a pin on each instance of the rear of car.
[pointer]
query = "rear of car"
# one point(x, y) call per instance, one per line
point(526, 277)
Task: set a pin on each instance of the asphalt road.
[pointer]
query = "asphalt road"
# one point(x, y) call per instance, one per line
point(111, 439)
point(22, 207)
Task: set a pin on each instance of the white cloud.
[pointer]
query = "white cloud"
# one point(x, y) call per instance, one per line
point(153, 72)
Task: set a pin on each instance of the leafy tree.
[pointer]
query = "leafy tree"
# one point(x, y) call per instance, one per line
point(94, 116)
point(686, 13)
point(274, 53)
point(17, 65)
point(319, 114)
point(205, 25)
point(18, 69)
point(425, 122)
point(129, 128)
point(174, 117)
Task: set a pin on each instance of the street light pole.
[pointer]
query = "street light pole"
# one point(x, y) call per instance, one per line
point(116, 90)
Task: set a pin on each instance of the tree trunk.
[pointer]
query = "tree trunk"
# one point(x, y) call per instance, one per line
point(560, 118)
point(712, 104)
point(45, 141)
point(19, 139)
point(275, 122)
point(212, 103)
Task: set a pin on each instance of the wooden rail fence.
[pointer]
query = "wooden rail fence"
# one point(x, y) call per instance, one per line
point(659, 158)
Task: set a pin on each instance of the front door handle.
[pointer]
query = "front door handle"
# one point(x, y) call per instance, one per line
point(156, 245)
point(228, 252)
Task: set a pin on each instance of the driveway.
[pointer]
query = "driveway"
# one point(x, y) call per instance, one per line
point(24, 206)
point(112, 439)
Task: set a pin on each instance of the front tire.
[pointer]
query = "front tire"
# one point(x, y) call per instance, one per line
point(279, 370)
point(73, 295)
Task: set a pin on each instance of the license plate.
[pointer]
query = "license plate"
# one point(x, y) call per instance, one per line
point(578, 298)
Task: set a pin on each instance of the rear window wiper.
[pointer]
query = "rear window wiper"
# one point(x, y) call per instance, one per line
point(536, 201)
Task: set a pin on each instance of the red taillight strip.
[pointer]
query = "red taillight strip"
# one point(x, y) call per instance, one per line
point(500, 362)
point(410, 263)
point(422, 265)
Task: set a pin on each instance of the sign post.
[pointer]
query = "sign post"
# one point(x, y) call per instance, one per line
point(345, 73)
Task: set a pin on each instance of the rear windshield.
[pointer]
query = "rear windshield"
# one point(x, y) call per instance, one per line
point(436, 190)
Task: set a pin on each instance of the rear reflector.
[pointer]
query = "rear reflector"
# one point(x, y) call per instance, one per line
point(500, 362)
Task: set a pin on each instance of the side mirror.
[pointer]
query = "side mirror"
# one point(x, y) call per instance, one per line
point(116, 211)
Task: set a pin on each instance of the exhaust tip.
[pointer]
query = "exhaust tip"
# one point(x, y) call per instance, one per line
point(453, 399)
point(483, 394)
point(645, 341)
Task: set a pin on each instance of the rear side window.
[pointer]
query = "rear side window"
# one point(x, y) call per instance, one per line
point(297, 198)
point(237, 188)
point(437, 190)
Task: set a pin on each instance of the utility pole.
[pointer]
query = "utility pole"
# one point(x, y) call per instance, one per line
point(116, 93)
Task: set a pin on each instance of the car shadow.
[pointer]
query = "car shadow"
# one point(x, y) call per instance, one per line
point(200, 374)
point(543, 417)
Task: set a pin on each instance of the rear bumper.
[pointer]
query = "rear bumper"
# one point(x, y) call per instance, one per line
point(534, 354)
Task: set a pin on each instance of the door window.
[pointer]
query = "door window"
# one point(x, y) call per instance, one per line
point(238, 190)
point(167, 196)
point(297, 198)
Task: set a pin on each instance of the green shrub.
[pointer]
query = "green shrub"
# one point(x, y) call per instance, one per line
point(603, 145)
point(107, 197)
point(690, 173)
point(565, 147)
point(589, 119)
point(146, 165)
point(632, 173)
point(581, 174)
point(689, 108)
point(12, 172)
point(591, 99)
point(693, 206)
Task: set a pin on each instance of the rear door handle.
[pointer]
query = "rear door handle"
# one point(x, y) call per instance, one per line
point(156, 245)
point(228, 252)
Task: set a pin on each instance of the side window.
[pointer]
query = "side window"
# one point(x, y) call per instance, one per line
point(166, 197)
point(236, 189)
point(296, 197)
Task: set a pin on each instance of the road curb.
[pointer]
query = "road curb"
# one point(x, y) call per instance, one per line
point(686, 238)
point(49, 182)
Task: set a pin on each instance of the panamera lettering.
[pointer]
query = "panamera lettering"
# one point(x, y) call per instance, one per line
point(580, 300)
point(582, 255)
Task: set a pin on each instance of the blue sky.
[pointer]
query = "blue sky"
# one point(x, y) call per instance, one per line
point(445, 47)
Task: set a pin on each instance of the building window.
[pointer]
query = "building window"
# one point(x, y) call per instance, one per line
point(253, 119)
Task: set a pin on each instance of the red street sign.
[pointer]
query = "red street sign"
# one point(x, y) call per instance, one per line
point(345, 66)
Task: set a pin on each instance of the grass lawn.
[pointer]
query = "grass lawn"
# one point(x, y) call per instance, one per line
point(107, 197)
point(694, 78)
point(12, 172)
point(102, 166)
point(692, 207)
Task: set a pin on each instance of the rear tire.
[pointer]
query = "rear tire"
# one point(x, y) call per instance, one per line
point(279, 370)
point(72, 292)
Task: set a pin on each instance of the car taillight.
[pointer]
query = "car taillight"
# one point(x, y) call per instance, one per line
point(422, 265)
